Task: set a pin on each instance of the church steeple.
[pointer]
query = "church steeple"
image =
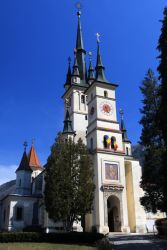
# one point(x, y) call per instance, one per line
point(100, 74)
point(123, 128)
point(80, 51)
point(24, 164)
point(33, 160)
point(68, 77)
point(68, 124)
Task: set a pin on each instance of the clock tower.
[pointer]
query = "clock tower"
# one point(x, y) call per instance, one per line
point(105, 142)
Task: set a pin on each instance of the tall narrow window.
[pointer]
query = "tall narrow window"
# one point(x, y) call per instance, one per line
point(20, 183)
point(91, 144)
point(105, 94)
point(127, 150)
point(82, 99)
point(4, 215)
point(19, 213)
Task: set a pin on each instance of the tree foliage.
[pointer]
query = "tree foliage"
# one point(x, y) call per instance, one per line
point(69, 185)
point(151, 140)
point(162, 112)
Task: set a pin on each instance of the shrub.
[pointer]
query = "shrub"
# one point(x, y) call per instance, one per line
point(20, 237)
point(161, 225)
point(72, 237)
point(104, 244)
point(33, 229)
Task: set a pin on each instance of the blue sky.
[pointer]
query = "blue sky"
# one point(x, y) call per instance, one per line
point(37, 36)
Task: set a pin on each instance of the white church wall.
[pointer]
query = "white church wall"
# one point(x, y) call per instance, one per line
point(110, 92)
point(138, 192)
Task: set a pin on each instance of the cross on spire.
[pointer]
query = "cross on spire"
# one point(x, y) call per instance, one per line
point(98, 37)
point(25, 144)
point(121, 112)
point(33, 141)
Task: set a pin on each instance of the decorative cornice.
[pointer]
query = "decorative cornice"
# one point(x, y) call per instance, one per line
point(105, 98)
point(104, 129)
point(102, 120)
point(112, 187)
point(74, 86)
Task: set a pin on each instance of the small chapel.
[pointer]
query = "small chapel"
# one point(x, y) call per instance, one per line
point(90, 113)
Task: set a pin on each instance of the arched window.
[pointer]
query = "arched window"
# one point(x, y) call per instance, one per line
point(105, 94)
point(106, 141)
point(82, 99)
point(113, 141)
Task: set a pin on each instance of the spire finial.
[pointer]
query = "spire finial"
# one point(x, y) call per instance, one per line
point(98, 37)
point(90, 56)
point(78, 5)
point(33, 141)
point(121, 112)
point(25, 144)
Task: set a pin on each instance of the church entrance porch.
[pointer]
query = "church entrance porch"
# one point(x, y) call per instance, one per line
point(114, 220)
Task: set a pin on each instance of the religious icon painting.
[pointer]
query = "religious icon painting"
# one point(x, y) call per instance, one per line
point(111, 171)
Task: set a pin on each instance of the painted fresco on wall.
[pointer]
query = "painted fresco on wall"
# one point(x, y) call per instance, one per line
point(111, 171)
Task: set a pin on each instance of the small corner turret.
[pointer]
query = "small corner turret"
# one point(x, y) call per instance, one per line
point(75, 77)
point(68, 131)
point(23, 175)
point(100, 69)
point(126, 141)
point(68, 77)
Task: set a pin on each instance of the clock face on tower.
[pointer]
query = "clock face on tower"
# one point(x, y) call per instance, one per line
point(106, 108)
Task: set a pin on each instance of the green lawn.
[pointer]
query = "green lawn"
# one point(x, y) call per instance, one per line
point(41, 246)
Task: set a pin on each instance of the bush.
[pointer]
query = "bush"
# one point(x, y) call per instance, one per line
point(33, 229)
point(20, 237)
point(104, 244)
point(161, 225)
point(72, 237)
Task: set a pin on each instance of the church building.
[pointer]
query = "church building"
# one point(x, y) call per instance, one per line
point(90, 114)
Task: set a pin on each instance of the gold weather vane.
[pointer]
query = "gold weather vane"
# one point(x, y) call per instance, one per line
point(98, 37)
point(78, 5)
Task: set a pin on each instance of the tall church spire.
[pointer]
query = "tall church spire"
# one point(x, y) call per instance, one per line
point(80, 51)
point(100, 74)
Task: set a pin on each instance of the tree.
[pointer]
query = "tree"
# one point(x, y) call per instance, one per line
point(162, 112)
point(151, 141)
point(69, 188)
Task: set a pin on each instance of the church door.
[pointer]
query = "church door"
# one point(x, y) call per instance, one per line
point(111, 221)
point(114, 221)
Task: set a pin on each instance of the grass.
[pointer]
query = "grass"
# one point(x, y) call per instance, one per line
point(42, 246)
